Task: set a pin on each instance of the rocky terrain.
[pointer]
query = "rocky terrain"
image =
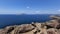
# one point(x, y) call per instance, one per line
point(49, 27)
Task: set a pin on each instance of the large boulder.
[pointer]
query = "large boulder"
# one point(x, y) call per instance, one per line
point(52, 31)
point(52, 24)
point(22, 29)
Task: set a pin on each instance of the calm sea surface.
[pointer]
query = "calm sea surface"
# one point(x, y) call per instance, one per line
point(6, 20)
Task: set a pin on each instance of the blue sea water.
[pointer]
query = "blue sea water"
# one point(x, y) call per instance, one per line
point(6, 20)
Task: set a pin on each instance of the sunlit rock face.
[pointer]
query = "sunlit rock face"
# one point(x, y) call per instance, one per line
point(49, 27)
point(52, 31)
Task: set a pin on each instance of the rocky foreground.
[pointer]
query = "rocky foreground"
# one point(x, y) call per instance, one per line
point(49, 27)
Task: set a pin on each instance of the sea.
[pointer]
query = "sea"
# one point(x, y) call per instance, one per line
point(11, 19)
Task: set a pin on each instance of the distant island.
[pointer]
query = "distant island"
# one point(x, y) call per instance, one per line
point(48, 27)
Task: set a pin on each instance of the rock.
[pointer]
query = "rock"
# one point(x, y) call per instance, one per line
point(2, 31)
point(8, 29)
point(52, 31)
point(52, 24)
point(55, 23)
point(55, 17)
point(23, 28)
point(28, 29)
point(50, 27)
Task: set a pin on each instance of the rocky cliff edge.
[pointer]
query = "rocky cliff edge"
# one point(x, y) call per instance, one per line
point(49, 27)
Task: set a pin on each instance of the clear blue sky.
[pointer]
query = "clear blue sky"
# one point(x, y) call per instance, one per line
point(30, 6)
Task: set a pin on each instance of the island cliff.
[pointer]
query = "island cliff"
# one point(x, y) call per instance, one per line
point(49, 27)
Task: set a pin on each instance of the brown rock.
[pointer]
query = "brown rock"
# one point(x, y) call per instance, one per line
point(52, 31)
point(23, 28)
point(51, 27)
point(52, 24)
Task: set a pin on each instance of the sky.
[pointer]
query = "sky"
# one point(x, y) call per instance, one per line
point(29, 6)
